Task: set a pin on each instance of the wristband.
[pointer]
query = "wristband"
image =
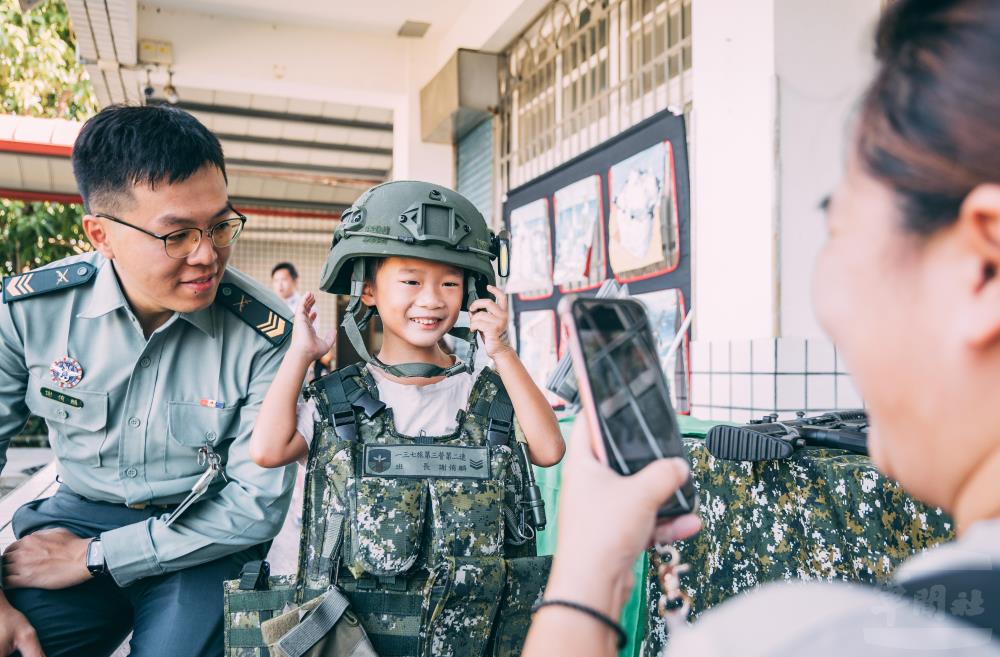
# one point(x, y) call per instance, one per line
point(593, 613)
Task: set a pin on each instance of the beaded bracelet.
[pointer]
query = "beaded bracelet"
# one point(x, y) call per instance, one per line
point(593, 613)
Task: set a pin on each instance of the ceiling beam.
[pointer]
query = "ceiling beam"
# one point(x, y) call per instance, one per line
point(380, 174)
point(299, 143)
point(317, 207)
point(250, 113)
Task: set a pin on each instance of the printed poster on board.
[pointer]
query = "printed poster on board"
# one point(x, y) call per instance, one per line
point(579, 261)
point(531, 251)
point(537, 340)
point(643, 233)
point(666, 313)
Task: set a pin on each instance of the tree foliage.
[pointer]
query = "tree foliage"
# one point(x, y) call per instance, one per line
point(39, 73)
point(40, 76)
point(34, 234)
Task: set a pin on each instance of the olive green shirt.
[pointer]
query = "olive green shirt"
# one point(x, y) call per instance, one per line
point(130, 430)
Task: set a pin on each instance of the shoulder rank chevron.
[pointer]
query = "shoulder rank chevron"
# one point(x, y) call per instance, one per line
point(43, 281)
point(254, 312)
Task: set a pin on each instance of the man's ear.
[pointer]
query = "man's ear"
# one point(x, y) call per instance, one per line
point(96, 232)
point(979, 223)
point(368, 294)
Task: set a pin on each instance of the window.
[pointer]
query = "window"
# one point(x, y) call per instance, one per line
point(584, 71)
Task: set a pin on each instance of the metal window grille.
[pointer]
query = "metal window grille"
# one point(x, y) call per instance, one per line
point(584, 71)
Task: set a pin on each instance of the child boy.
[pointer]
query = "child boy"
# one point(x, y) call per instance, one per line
point(424, 525)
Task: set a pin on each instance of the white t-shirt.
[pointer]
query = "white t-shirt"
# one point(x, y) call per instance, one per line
point(430, 409)
point(839, 620)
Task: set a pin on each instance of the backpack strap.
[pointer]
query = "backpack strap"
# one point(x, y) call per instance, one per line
point(497, 412)
point(341, 394)
point(968, 596)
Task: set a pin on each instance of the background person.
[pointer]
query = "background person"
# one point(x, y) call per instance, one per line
point(907, 286)
point(285, 283)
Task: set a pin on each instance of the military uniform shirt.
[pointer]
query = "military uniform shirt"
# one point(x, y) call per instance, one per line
point(129, 432)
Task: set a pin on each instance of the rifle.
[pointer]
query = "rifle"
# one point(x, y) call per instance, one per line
point(768, 439)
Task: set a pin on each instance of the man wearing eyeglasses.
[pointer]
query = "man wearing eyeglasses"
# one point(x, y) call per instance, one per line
point(149, 360)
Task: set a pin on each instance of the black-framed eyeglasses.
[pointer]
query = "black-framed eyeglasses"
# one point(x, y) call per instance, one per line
point(181, 243)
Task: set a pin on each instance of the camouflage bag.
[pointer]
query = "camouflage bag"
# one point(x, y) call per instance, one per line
point(822, 514)
point(426, 537)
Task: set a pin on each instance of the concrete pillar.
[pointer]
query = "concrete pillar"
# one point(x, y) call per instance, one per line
point(774, 84)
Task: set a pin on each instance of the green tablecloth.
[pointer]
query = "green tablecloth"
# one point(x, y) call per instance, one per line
point(823, 514)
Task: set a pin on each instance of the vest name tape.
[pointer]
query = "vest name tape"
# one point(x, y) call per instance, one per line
point(427, 462)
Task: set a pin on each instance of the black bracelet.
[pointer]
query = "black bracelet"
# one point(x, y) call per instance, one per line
point(593, 613)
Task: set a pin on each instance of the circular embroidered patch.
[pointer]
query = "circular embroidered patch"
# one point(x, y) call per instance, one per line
point(66, 372)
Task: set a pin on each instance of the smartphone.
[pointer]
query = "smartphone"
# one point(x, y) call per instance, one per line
point(623, 392)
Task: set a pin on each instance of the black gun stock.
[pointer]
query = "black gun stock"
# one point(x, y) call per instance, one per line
point(769, 439)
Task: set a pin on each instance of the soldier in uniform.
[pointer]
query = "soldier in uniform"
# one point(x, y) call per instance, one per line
point(148, 360)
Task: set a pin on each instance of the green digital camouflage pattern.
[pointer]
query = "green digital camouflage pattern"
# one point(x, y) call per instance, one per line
point(244, 610)
point(461, 601)
point(526, 579)
point(388, 524)
point(467, 517)
point(820, 515)
point(426, 560)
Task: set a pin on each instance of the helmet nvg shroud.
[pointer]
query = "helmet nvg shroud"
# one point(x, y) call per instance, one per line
point(412, 219)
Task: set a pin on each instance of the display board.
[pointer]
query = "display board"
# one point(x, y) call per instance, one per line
point(621, 210)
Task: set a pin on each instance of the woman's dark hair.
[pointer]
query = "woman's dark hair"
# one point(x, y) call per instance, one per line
point(122, 146)
point(287, 266)
point(930, 121)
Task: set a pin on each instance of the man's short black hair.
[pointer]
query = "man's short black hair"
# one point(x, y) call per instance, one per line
point(287, 266)
point(123, 146)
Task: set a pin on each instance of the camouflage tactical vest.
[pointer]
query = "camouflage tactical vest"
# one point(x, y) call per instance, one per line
point(425, 535)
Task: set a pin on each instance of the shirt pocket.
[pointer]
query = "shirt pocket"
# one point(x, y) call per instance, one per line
point(77, 419)
point(191, 426)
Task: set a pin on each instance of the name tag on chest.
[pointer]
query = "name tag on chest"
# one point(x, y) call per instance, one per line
point(427, 461)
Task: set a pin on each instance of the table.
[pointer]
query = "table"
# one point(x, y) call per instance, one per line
point(820, 515)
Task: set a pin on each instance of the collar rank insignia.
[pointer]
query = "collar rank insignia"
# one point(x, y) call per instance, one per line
point(267, 322)
point(66, 372)
point(49, 279)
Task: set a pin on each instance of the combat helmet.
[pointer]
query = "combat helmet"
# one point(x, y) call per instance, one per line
point(412, 219)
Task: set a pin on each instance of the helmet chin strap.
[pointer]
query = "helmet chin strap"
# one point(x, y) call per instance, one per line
point(357, 316)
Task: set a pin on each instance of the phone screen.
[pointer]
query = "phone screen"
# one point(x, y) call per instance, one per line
point(629, 389)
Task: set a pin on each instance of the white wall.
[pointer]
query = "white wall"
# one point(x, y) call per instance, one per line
point(823, 55)
point(774, 84)
point(733, 173)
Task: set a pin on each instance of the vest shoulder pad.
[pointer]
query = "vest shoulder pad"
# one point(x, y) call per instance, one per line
point(45, 280)
point(268, 322)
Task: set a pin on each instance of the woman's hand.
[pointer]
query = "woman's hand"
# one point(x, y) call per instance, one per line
point(605, 522)
point(305, 342)
point(490, 318)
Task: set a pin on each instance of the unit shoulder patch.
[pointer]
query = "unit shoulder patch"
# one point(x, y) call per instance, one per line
point(259, 316)
point(48, 279)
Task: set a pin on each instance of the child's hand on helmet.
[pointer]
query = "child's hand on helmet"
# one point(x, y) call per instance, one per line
point(490, 319)
point(305, 342)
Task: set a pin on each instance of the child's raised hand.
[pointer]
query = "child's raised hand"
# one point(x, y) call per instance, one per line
point(305, 342)
point(490, 318)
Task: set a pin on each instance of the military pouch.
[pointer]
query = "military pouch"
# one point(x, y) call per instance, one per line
point(247, 607)
point(526, 578)
point(461, 597)
point(467, 515)
point(322, 627)
point(388, 520)
point(327, 505)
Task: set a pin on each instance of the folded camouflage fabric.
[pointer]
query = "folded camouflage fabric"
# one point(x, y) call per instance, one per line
point(822, 514)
